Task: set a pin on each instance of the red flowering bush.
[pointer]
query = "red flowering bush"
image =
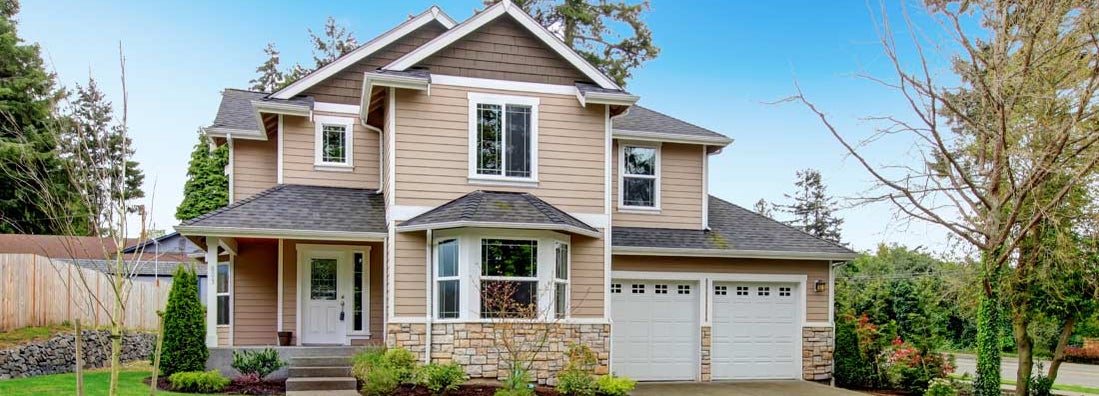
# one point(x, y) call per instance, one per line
point(1085, 354)
point(912, 370)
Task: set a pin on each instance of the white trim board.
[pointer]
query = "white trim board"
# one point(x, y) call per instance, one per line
point(488, 15)
point(280, 233)
point(431, 14)
point(657, 251)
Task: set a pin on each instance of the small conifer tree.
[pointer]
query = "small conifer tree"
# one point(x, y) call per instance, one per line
point(184, 326)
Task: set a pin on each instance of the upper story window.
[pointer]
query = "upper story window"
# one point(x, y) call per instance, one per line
point(503, 135)
point(333, 139)
point(639, 178)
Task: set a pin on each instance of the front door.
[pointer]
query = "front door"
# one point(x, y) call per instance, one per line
point(325, 302)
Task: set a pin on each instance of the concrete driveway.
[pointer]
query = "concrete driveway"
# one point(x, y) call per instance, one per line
point(739, 388)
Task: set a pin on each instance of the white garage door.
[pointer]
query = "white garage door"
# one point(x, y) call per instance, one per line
point(755, 329)
point(656, 329)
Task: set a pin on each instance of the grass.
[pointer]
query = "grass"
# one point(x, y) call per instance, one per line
point(29, 334)
point(1060, 387)
point(131, 382)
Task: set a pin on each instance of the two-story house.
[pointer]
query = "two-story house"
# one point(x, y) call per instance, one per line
point(389, 196)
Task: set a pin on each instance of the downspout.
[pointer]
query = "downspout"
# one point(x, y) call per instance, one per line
point(430, 293)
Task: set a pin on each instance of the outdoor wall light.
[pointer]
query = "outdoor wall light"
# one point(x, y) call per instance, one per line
point(820, 286)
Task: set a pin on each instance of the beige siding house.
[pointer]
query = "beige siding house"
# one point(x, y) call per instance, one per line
point(391, 196)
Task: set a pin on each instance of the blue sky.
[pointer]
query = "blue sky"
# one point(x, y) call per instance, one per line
point(721, 64)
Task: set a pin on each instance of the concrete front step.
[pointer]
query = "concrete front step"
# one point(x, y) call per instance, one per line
point(320, 361)
point(311, 372)
point(326, 351)
point(320, 384)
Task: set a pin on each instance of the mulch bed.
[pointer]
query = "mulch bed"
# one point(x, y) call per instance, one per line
point(235, 387)
point(467, 390)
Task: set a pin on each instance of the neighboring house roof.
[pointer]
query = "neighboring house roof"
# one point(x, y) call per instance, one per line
point(734, 232)
point(171, 242)
point(295, 210)
point(161, 268)
point(488, 15)
point(500, 210)
point(59, 246)
point(647, 124)
point(412, 24)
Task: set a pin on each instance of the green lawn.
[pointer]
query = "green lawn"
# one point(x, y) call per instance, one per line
point(130, 382)
point(27, 334)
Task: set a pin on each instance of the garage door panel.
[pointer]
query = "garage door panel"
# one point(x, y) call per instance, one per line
point(656, 326)
point(755, 330)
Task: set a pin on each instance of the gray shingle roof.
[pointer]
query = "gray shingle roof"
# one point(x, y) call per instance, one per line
point(499, 207)
point(162, 268)
point(236, 111)
point(306, 208)
point(731, 228)
point(584, 88)
point(642, 119)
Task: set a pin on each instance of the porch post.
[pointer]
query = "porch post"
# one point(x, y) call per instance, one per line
point(212, 292)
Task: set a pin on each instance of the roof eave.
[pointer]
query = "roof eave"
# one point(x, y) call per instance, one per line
point(730, 253)
point(614, 99)
point(488, 224)
point(671, 137)
point(371, 79)
point(234, 232)
point(244, 134)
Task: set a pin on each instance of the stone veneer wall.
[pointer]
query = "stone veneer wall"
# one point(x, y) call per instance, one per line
point(707, 342)
point(58, 354)
point(475, 345)
point(816, 353)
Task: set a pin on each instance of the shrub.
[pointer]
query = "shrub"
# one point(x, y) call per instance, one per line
point(403, 364)
point(363, 360)
point(380, 380)
point(610, 385)
point(575, 383)
point(1040, 385)
point(383, 370)
point(184, 347)
point(912, 370)
point(257, 364)
point(1086, 354)
point(516, 384)
point(440, 378)
point(198, 381)
point(940, 387)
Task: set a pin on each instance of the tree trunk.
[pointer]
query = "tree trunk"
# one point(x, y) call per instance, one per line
point(79, 359)
point(1059, 350)
point(988, 345)
point(1026, 354)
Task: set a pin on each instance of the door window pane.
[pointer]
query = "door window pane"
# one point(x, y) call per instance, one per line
point(322, 282)
point(357, 303)
point(489, 139)
point(518, 151)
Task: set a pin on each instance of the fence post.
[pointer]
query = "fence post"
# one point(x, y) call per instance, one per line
point(79, 360)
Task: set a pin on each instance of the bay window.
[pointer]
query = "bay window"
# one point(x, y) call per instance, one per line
point(503, 138)
point(639, 177)
point(483, 274)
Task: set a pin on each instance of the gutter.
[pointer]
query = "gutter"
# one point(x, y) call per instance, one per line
point(279, 233)
point(730, 253)
point(484, 224)
point(671, 137)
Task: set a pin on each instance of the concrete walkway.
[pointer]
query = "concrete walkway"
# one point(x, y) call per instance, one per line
point(740, 388)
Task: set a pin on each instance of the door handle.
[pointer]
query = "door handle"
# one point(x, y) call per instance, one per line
point(341, 308)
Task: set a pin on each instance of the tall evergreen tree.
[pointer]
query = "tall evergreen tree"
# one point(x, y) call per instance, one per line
point(28, 138)
point(269, 78)
point(207, 186)
point(812, 208)
point(586, 26)
point(101, 154)
point(764, 208)
point(184, 334)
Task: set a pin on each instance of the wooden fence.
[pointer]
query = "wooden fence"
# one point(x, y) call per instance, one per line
point(37, 291)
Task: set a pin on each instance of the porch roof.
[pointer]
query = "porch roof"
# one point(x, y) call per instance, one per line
point(297, 211)
point(498, 209)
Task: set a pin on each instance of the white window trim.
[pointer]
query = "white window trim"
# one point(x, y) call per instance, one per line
point(476, 98)
point(622, 207)
point(319, 121)
point(469, 271)
point(227, 293)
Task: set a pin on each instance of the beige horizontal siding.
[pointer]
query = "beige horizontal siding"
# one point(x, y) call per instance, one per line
point(587, 277)
point(816, 303)
point(503, 50)
point(680, 190)
point(299, 155)
point(255, 167)
point(410, 274)
point(346, 86)
point(255, 292)
point(290, 283)
point(223, 336)
point(433, 150)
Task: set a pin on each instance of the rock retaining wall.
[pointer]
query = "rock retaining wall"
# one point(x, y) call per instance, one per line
point(58, 354)
point(477, 347)
point(816, 353)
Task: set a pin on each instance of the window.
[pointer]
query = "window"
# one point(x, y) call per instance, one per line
point(640, 177)
point(333, 141)
point(446, 278)
point(684, 289)
point(616, 288)
point(763, 291)
point(561, 280)
point(660, 289)
point(223, 282)
point(509, 278)
point(357, 293)
point(742, 290)
point(322, 279)
point(503, 137)
point(784, 291)
point(721, 290)
point(638, 289)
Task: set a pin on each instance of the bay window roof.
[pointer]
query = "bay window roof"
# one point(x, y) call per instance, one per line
point(496, 209)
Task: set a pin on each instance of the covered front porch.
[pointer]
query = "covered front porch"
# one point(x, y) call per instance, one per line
point(295, 266)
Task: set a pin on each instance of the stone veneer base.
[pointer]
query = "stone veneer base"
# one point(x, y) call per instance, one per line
point(817, 345)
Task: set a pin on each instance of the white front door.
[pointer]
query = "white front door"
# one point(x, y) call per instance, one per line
point(325, 302)
point(755, 331)
point(656, 329)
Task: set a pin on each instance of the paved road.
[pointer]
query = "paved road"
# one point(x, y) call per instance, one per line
point(741, 388)
point(1069, 374)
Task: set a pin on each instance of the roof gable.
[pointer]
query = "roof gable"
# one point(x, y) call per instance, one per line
point(474, 23)
point(433, 14)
